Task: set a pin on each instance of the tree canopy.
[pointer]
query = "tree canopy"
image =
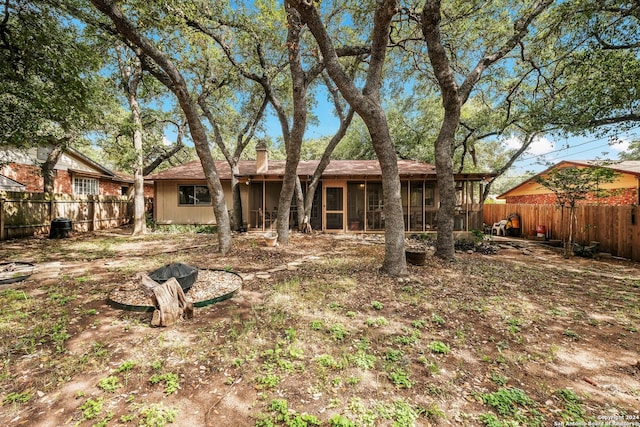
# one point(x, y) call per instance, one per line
point(50, 89)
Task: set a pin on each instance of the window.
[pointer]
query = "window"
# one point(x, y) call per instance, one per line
point(85, 186)
point(193, 195)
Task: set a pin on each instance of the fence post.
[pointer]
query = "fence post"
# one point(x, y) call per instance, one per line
point(2, 233)
point(51, 207)
point(93, 212)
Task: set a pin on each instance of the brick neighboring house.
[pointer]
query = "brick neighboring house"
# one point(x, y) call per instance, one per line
point(624, 190)
point(76, 174)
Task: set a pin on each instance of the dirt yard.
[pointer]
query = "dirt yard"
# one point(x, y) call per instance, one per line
point(522, 337)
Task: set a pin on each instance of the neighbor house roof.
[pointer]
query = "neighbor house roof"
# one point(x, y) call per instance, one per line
point(626, 166)
point(336, 168)
point(631, 167)
point(101, 170)
point(8, 184)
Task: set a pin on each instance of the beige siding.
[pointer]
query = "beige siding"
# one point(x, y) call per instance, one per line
point(623, 180)
point(168, 211)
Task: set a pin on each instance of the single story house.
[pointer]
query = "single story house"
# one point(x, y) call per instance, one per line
point(76, 174)
point(348, 199)
point(624, 190)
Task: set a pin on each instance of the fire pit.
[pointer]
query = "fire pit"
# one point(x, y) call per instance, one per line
point(185, 274)
point(211, 286)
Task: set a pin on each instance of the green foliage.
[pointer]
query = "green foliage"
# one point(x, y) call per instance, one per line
point(432, 412)
point(280, 414)
point(377, 322)
point(338, 332)
point(109, 384)
point(49, 84)
point(439, 347)
point(327, 361)
point(340, 421)
point(410, 336)
point(514, 404)
point(437, 319)
point(91, 408)
point(418, 324)
point(156, 415)
point(573, 408)
point(291, 334)
point(316, 325)
point(400, 378)
point(393, 355)
point(498, 378)
point(362, 359)
point(126, 366)
point(15, 397)
point(268, 380)
point(170, 380)
point(572, 184)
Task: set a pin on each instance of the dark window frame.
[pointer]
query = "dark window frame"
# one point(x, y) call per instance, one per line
point(196, 201)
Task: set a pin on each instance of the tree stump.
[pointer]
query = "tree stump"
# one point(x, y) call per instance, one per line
point(306, 226)
point(169, 299)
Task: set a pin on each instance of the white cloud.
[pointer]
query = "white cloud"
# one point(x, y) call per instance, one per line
point(540, 145)
point(166, 141)
point(619, 144)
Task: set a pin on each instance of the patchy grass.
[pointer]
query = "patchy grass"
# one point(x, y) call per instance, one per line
point(497, 340)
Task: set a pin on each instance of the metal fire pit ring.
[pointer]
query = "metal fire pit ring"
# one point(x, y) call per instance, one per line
point(129, 296)
point(16, 271)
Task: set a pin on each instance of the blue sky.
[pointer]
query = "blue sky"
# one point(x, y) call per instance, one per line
point(553, 149)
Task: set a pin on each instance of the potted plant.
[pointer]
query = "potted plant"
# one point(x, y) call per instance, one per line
point(271, 238)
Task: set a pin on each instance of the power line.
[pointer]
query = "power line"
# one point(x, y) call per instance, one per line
point(564, 149)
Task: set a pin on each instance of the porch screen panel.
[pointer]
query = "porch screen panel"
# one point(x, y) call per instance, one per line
point(334, 208)
point(355, 206)
point(415, 206)
point(430, 217)
point(256, 208)
point(375, 206)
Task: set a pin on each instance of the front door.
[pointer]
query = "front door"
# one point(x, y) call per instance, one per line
point(334, 207)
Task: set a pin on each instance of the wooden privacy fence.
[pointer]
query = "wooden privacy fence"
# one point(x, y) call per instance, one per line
point(25, 214)
point(617, 228)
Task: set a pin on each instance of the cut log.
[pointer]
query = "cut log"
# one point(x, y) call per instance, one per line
point(306, 226)
point(169, 299)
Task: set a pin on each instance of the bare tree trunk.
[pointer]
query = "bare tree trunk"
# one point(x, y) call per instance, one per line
point(236, 217)
point(293, 145)
point(48, 167)
point(453, 97)
point(164, 69)
point(367, 104)
point(131, 77)
point(299, 195)
point(444, 142)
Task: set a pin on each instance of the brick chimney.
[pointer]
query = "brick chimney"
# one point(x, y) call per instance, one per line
point(262, 157)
